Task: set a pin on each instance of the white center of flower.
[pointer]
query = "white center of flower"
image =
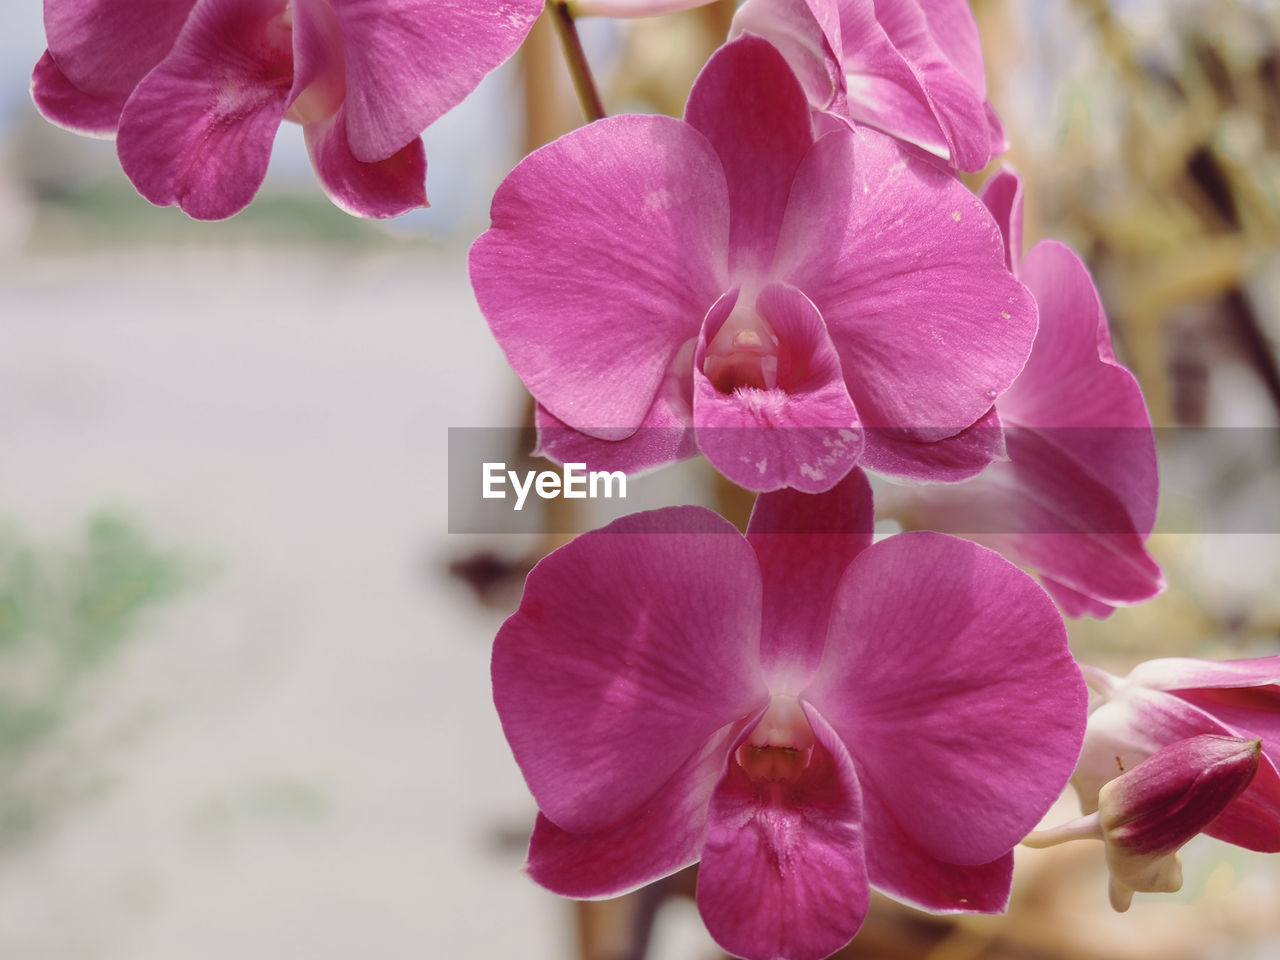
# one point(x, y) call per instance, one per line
point(781, 745)
point(743, 353)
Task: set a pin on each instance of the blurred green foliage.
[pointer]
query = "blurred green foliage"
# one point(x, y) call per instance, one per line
point(66, 613)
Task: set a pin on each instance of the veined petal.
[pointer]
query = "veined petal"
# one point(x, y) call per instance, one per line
point(783, 872)
point(387, 188)
point(104, 47)
point(319, 63)
point(1185, 673)
point(900, 867)
point(803, 543)
point(665, 434)
point(197, 132)
point(661, 837)
point(1072, 385)
point(1002, 195)
point(1074, 603)
point(907, 268)
point(895, 453)
point(409, 61)
point(803, 431)
point(607, 248)
point(807, 34)
point(62, 102)
point(631, 647)
point(752, 109)
point(900, 80)
point(976, 737)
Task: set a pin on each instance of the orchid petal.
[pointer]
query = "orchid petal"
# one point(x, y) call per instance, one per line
point(607, 249)
point(752, 109)
point(967, 454)
point(319, 63)
point(783, 872)
point(663, 836)
point(409, 61)
point(1185, 673)
point(665, 435)
point(62, 102)
point(807, 34)
point(197, 131)
point(901, 81)
point(907, 268)
point(387, 188)
point(1002, 695)
point(801, 433)
point(900, 867)
point(1073, 603)
point(631, 647)
point(803, 543)
point(1073, 385)
point(104, 48)
point(1002, 195)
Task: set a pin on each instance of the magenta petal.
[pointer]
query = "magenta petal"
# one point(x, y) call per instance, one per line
point(607, 248)
point(1073, 385)
point(105, 47)
point(665, 434)
point(387, 188)
point(631, 647)
point(1185, 673)
point(1003, 196)
point(783, 873)
point(900, 867)
point(197, 132)
point(750, 106)
point(803, 543)
point(900, 81)
point(659, 838)
point(801, 433)
point(974, 740)
point(807, 34)
point(1074, 603)
point(409, 61)
point(907, 268)
point(63, 103)
point(951, 460)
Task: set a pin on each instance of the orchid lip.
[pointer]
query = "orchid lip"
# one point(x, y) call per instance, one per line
point(743, 353)
point(780, 746)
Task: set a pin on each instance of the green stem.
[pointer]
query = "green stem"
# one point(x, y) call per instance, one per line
point(583, 83)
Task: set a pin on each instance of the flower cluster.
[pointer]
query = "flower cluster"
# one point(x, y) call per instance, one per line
point(793, 281)
point(195, 90)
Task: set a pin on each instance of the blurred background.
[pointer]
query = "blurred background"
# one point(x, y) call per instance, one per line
point(244, 699)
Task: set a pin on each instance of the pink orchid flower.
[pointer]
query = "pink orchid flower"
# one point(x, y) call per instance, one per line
point(1147, 814)
point(196, 89)
point(789, 306)
point(801, 711)
point(912, 68)
point(1164, 701)
point(1076, 499)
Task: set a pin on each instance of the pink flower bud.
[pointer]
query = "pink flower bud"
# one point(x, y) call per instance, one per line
point(1147, 814)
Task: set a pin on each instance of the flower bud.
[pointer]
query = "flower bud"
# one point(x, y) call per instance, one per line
point(1148, 813)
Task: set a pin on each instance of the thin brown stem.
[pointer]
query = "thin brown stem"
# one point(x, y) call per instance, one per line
point(583, 82)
